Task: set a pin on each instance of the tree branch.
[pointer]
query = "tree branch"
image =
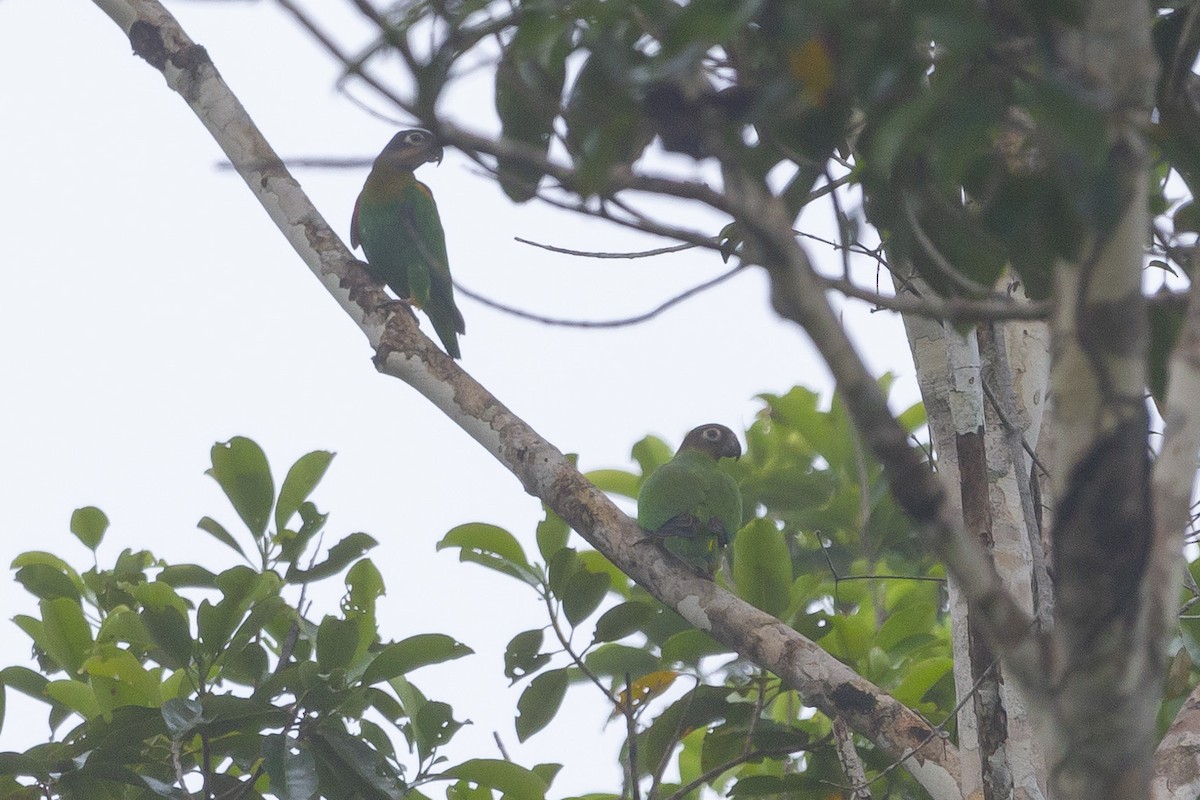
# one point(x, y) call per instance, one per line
point(796, 295)
point(1177, 758)
point(402, 351)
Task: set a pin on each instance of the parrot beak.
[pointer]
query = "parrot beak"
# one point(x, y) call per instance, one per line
point(436, 155)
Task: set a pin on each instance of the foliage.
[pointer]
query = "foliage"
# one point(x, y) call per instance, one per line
point(159, 676)
point(978, 162)
point(823, 528)
point(167, 676)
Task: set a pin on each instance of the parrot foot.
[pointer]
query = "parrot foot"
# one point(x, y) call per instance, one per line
point(400, 307)
point(719, 531)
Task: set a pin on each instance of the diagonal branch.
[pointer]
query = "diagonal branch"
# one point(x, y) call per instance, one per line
point(404, 352)
point(796, 294)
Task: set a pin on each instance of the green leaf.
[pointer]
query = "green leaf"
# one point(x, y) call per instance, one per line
point(118, 678)
point(412, 653)
point(227, 713)
point(1165, 324)
point(762, 567)
point(89, 524)
point(292, 543)
point(40, 558)
point(651, 453)
point(504, 776)
point(241, 469)
point(218, 532)
point(181, 715)
point(337, 640)
point(584, 592)
point(622, 620)
point(433, 725)
point(46, 583)
point(552, 534)
point(619, 660)
point(25, 681)
point(595, 561)
point(67, 637)
point(301, 479)
point(688, 647)
point(364, 585)
point(75, 695)
point(290, 766)
point(616, 481)
point(180, 576)
point(524, 655)
point(919, 678)
point(357, 763)
point(340, 555)
point(547, 772)
point(769, 785)
point(540, 702)
point(485, 539)
point(917, 619)
point(169, 630)
point(492, 547)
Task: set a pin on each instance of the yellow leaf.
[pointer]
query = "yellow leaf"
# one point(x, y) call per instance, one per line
point(811, 65)
point(644, 689)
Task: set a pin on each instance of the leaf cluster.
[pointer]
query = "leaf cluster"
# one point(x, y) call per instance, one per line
point(824, 549)
point(164, 680)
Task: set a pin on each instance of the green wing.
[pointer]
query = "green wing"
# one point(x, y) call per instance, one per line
point(405, 246)
point(694, 505)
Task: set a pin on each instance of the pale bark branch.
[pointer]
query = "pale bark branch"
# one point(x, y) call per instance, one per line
point(404, 352)
point(1108, 654)
point(852, 765)
point(1177, 759)
point(796, 294)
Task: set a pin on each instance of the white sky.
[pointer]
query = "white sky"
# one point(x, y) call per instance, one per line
point(150, 309)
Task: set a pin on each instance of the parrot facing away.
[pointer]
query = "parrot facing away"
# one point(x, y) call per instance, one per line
point(396, 221)
point(690, 503)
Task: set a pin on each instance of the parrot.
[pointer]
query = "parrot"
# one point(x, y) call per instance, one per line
point(690, 503)
point(396, 221)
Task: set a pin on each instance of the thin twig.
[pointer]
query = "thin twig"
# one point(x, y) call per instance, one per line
point(609, 323)
point(635, 791)
point(591, 254)
point(175, 748)
point(759, 703)
point(851, 762)
point(718, 770)
point(937, 259)
point(500, 746)
point(566, 643)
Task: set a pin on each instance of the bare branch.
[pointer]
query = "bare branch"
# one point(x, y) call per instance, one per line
point(610, 323)
point(851, 763)
point(592, 254)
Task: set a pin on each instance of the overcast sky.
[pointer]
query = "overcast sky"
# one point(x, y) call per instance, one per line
point(151, 309)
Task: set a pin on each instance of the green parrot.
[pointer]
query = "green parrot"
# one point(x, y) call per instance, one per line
point(396, 222)
point(690, 503)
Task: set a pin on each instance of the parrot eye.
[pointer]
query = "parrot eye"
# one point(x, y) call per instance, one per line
point(712, 434)
point(416, 137)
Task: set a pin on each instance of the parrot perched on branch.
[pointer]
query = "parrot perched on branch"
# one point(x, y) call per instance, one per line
point(396, 222)
point(690, 503)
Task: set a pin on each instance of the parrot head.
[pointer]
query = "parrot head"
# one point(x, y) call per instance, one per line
point(715, 440)
point(410, 149)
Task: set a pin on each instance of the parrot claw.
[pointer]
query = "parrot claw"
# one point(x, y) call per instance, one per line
point(400, 307)
point(719, 531)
